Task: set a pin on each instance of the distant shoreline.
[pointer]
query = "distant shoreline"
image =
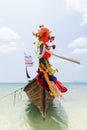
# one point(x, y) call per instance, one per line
point(72, 82)
point(76, 82)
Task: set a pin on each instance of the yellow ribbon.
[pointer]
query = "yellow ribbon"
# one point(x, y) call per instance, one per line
point(53, 91)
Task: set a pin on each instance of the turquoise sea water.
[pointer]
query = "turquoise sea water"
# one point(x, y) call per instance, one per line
point(20, 114)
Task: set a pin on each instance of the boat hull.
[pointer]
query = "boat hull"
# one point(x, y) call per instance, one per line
point(38, 96)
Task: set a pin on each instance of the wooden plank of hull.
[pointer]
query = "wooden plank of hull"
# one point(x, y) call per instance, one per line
point(38, 96)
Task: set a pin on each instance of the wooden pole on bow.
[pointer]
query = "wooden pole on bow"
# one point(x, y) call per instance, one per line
point(66, 58)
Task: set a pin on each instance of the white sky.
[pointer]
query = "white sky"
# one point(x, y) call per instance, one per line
point(67, 19)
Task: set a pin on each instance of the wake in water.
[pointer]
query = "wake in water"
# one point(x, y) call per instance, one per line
point(25, 115)
point(56, 117)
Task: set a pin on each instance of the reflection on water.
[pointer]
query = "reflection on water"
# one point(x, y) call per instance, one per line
point(56, 118)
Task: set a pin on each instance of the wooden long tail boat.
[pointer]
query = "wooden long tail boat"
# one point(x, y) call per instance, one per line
point(38, 96)
point(36, 91)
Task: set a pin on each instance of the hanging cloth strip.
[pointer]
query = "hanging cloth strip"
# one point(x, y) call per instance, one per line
point(40, 78)
point(58, 84)
point(53, 91)
point(41, 81)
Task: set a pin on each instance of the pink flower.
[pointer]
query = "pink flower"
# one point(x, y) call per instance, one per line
point(52, 38)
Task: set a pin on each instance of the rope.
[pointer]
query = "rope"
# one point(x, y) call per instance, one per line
point(14, 92)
